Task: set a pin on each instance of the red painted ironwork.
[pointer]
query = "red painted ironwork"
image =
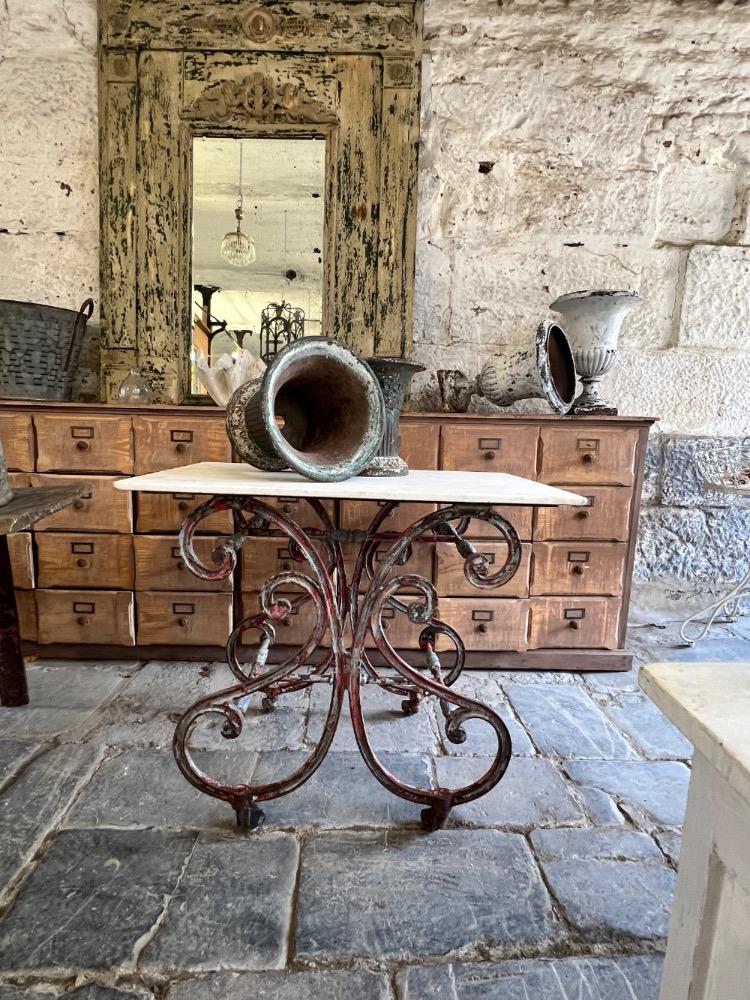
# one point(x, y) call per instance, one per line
point(337, 603)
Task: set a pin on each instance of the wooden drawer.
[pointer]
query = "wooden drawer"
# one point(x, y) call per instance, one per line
point(85, 560)
point(101, 617)
point(21, 551)
point(420, 444)
point(17, 436)
point(103, 508)
point(358, 514)
point(600, 456)
point(421, 562)
point(520, 517)
point(84, 443)
point(300, 511)
point(19, 480)
point(264, 557)
point(183, 619)
point(490, 447)
point(574, 623)
point(166, 442)
point(451, 580)
point(294, 630)
point(487, 623)
point(578, 568)
point(607, 517)
point(162, 512)
point(26, 608)
point(159, 566)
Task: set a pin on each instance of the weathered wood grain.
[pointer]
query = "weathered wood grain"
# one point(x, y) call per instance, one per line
point(287, 26)
point(160, 348)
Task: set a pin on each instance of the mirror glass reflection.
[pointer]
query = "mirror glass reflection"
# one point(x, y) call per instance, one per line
point(258, 232)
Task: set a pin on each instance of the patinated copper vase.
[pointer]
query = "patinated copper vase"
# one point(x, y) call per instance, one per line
point(394, 376)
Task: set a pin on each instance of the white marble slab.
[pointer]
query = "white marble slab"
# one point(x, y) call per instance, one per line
point(710, 704)
point(426, 486)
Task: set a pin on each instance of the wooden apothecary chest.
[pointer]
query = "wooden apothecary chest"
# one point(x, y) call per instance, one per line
point(104, 577)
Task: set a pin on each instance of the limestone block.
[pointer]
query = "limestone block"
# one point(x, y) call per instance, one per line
point(432, 292)
point(55, 270)
point(48, 107)
point(683, 484)
point(50, 196)
point(695, 203)
point(52, 26)
point(501, 294)
point(717, 298)
point(685, 545)
point(692, 392)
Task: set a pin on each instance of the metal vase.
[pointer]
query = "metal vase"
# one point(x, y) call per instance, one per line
point(394, 376)
point(546, 371)
point(318, 410)
point(592, 321)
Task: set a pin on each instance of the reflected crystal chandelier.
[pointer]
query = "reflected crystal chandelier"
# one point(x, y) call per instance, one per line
point(236, 247)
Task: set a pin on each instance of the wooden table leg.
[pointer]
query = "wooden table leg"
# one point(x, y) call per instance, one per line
point(13, 688)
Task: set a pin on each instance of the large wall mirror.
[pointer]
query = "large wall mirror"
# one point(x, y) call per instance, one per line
point(307, 112)
point(258, 238)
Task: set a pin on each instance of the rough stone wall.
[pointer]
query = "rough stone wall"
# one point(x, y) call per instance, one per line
point(565, 144)
point(49, 200)
point(572, 144)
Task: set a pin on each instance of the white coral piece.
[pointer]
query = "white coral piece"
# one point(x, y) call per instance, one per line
point(229, 373)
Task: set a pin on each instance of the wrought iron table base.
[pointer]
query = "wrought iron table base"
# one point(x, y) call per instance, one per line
point(339, 608)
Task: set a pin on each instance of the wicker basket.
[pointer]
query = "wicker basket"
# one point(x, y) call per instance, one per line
point(39, 349)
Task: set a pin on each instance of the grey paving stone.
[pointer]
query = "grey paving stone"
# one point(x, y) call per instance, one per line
point(611, 682)
point(606, 899)
point(346, 984)
point(741, 626)
point(387, 726)
point(145, 788)
point(602, 845)
point(110, 887)
point(649, 728)
point(480, 737)
point(670, 842)
point(562, 719)
point(653, 793)
point(394, 895)
point(530, 793)
point(146, 709)
point(88, 992)
point(484, 685)
point(734, 649)
point(342, 792)
point(77, 684)
point(35, 722)
point(232, 909)
point(622, 978)
point(13, 755)
point(34, 803)
point(601, 808)
point(281, 729)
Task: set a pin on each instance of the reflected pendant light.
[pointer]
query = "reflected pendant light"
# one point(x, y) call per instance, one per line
point(237, 248)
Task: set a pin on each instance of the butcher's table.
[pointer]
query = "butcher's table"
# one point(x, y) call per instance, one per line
point(348, 609)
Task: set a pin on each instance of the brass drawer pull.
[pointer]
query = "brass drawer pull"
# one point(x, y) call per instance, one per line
point(180, 448)
point(82, 445)
point(180, 565)
point(483, 628)
point(80, 504)
point(489, 455)
point(83, 563)
point(588, 458)
point(287, 508)
point(579, 569)
point(583, 514)
point(182, 622)
point(83, 620)
point(573, 625)
point(183, 505)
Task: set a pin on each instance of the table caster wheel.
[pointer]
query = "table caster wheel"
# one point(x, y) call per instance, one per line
point(410, 706)
point(434, 817)
point(250, 818)
point(268, 704)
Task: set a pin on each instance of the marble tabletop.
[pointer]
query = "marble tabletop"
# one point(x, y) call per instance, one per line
point(710, 704)
point(427, 486)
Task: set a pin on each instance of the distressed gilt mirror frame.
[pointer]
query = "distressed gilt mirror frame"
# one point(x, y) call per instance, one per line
point(170, 70)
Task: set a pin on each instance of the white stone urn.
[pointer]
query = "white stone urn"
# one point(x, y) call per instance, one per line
point(592, 323)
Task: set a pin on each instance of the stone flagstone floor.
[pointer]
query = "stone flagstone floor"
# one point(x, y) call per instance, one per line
point(121, 881)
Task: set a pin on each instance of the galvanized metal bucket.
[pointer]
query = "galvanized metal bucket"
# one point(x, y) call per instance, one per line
point(39, 349)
